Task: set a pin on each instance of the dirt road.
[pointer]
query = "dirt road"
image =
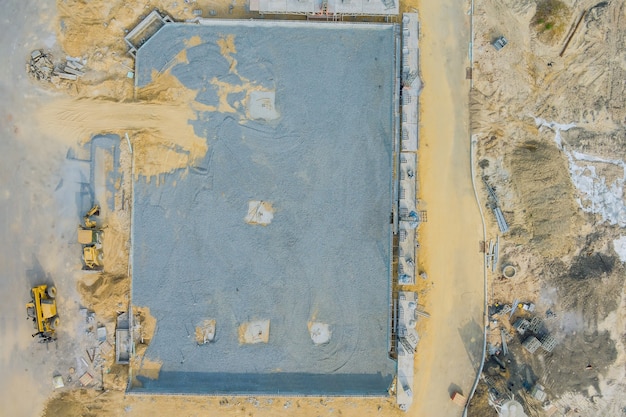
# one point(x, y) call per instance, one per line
point(451, 340)
point(26, 203)
point(36, 229)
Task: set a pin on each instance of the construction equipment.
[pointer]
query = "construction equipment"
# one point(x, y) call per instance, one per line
point(94, 211)
point(90, 237)
point(92, 257)
point(42, 309)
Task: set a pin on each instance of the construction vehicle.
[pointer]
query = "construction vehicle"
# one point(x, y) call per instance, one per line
point(42, 309)
point(94, 211)
point(90, 237)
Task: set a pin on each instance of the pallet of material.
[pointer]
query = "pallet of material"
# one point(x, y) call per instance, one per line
point(459, 399)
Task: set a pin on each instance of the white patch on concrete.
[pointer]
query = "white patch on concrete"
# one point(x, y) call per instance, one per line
point(259, 212)
point(619, 245)
point(252, 332)
point(261, 105)
point(595, 195)
point(320, 333)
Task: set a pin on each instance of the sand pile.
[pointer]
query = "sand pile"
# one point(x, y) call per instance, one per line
point(105, 294)
point(95, 32)
point(540, 178)
point(256, 331)
point(143, 331)
point(115, 244)
point(160, 133)
point(205, 331)
point(550, 20)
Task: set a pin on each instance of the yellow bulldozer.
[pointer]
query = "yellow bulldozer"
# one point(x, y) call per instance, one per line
point(42, 309)
point(90, 237)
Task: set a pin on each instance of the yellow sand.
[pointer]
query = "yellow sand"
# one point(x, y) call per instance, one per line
point(162, 138)
point(227, 49)
point(203, 330)
point(453, 293)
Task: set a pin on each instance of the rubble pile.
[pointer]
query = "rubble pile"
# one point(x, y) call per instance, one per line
point(42, 67)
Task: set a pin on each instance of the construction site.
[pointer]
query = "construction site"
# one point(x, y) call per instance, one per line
point(280, 207)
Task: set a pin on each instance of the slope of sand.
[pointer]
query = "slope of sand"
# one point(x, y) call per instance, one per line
point(449, 351)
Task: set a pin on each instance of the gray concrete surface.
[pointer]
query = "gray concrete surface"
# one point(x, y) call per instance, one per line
point(325, 165)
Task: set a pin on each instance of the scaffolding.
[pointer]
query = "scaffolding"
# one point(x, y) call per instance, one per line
point(326, 8)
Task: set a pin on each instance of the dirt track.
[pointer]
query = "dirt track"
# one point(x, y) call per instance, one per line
point(34, 248)
point(450, 349)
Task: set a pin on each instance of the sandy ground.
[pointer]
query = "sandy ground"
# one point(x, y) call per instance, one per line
point(550, 129)
point(41, 221)
point(33, 228)
point(451, 340)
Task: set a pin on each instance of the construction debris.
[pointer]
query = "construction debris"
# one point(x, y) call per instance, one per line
point(86, 379)
point(492, 254)
point(123, 344)
point(548, 342)
point(42, 67)
point(494, 205)
point(499, 43)
point(538, 393)
point(57, 382)
point(101, 333)
point(503, 336)
point(406, 339)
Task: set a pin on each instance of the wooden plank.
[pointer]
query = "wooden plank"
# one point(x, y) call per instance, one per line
point(459, 399)
point(86, 379)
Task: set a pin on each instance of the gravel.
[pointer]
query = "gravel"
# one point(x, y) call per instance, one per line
point(324, 165)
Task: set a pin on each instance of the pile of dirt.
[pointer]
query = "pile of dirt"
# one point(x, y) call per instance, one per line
point(71, 403)
point(106, 294)
point(115, 243)
point(143, 331)
point(550, 20)
point(547, 214)
point(205, 331)
point(162, 138)
point(479, 403)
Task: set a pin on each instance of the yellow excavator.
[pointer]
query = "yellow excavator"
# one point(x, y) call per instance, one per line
point(90, 237)
point(42, 309)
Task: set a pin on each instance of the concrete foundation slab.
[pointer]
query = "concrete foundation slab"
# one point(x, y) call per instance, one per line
point(325, 165)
